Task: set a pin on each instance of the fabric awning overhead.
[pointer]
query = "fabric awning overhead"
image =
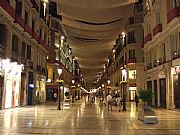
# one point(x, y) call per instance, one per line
point(92, 27)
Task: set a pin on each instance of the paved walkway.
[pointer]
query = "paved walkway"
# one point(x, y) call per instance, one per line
point(84, 119)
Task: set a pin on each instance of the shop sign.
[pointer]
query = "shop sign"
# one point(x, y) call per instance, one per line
point(161, 74)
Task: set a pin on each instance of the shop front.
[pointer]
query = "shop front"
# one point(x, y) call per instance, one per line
point(132, 92)
point(40, 89)
point(12, 83)
point(175, 72)
point(51, 90)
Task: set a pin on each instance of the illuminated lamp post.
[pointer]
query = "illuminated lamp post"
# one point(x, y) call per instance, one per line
point(60, 84)
point(73, 86)
point(123, 82)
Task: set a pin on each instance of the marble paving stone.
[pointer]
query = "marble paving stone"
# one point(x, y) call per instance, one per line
point(81, 118)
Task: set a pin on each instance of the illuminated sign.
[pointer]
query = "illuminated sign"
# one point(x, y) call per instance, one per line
point(31, 85)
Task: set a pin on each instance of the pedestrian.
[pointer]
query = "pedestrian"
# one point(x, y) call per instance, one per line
point(136, 100)
point(119, 99)
point(109, 100)
point(55, 96)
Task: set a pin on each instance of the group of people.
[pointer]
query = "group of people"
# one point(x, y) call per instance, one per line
point(116, 100)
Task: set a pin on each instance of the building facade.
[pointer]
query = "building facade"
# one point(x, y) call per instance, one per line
point(60, 56)
point(161, 50)
point(23, 48)
point(125, 68)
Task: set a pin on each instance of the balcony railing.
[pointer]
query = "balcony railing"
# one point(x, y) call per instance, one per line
point(41, 42)
point(172, 14)
point(149, 66)
point(14, 57)
point(155, 63)
point(147, 38)
point(30, 64)
point(7, 7)
point(157, 29)
point(35, 36)
point(132, 60)
point(162, 60)
point(27, 29)
point(23, 61)
point(19, 20)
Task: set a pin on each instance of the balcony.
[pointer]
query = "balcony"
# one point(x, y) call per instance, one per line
point(23, 61)
point(157, 29)
point(149, 66)
point(14, 57)
point(7, 7)
point(41, 42)
point(132, 60)
point(147, 38)
point(172, 14)
point(161, 60)
point(19, 20)
point(131, 41)
point(27, 29)
point(30, 64)
point(155, 63)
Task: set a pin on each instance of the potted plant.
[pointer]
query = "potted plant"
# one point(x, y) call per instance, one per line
point(145, 95)
point(147, 114)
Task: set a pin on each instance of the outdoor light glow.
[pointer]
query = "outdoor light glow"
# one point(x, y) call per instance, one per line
point(123, 34)
point(108, 81)
point(102, 85)
point(114, 50)
point(59, 71)
point(31, 85)
point(62, 38)
point(73, 81)
point(48, 80)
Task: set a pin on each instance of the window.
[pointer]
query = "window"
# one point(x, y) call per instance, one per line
point(175, 3)
point(40, 33)
point(15, 42)
point(132, 74)
point(2, 34)
point(131, 20)
point(158, 18)
point(33, 25)
point(56, 43)
point(26, 17)
point(132, 54)
point(28, 52)
point(57, 55)
point(148, 29)
point(23, 51)
point(131, 37)
point(18, 8)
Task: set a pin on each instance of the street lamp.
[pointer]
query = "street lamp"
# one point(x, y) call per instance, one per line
point(60, 84)
point(124, 81)
point(73, 86)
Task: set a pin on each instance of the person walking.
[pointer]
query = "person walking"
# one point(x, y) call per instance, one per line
point(109, 100)
point(119, 99)
point(136, 100)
